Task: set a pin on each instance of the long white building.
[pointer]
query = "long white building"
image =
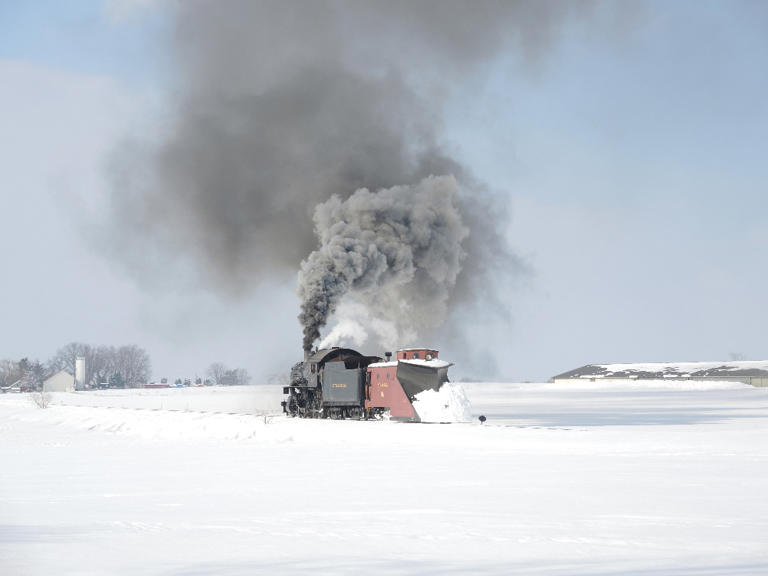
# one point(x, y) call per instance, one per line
point(754, 372)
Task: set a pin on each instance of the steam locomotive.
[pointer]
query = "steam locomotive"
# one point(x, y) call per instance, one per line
point(343, 383)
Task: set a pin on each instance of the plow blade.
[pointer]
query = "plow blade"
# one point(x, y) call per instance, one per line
point(416, 377)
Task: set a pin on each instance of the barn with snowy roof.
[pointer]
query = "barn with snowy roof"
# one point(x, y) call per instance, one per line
point(754, 372)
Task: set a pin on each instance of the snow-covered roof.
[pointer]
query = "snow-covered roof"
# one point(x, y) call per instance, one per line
point(383, 364)
point(56, 374)
point(670, 370)
point(434, 363)
point(417, 348)
point(326, 354)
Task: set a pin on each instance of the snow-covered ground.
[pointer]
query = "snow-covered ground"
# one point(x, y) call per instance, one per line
point(633, 479)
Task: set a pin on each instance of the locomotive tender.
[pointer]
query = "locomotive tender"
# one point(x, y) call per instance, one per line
point(343, 383)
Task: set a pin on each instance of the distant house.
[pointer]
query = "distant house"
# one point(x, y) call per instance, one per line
point(62, 381)
point(157, 384)
point(747, 372)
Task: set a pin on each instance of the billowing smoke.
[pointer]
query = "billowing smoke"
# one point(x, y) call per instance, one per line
point(397, 250)
point(283, 111)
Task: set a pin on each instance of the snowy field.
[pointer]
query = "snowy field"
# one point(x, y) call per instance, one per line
point(633, 479)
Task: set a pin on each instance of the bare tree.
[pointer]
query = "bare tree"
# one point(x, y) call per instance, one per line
point(220, 375)
point(41, 398)
point(241, 376)
point(10, 372)
point(65, 357)
point(236, 377)
point(102, 366)
point(216, 372)
point(131, 367)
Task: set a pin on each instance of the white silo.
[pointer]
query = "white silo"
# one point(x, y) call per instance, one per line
point(80, 373)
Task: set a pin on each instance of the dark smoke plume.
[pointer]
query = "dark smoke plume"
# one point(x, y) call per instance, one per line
point(280, 105)
point(398, 245)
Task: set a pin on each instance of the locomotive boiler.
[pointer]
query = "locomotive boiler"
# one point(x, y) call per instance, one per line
point(343, 383)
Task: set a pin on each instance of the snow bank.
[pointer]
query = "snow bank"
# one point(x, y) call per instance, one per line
point(206, 413)
point(258, 399)
point(449, 404)
point(151, 424)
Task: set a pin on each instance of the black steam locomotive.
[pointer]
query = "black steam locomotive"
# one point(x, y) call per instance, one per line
point(329, 384)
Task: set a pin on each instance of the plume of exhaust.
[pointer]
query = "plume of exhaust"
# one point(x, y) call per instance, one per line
point(398, 251)
point(275, 106)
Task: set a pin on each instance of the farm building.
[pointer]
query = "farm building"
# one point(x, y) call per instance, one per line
point(62, 381)
point(747, 372)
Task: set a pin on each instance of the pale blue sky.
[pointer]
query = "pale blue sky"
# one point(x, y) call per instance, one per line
point(634, 155)
point(637, 168)
point(120, 38)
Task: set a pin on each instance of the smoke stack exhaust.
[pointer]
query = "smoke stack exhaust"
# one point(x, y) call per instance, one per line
point(401, 245)
point(280, 107)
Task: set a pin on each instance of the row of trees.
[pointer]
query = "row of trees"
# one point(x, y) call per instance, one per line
point(220, 375)
point(117, 366)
